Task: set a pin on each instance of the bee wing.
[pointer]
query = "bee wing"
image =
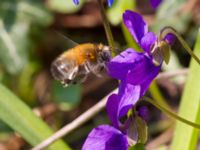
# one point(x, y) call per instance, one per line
point(69, 42)
point(64, 71)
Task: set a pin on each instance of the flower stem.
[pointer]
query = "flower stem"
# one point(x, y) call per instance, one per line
point(106, 26)
point(167, 30)
point(155, 92)
point(171, 114)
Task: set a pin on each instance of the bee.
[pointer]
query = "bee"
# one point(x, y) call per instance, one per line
point(74, 65)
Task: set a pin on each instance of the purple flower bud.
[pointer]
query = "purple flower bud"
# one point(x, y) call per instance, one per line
point(110, 2)
point(155, 3)
point(143, 112)
point(170, 39)
point(76, 2)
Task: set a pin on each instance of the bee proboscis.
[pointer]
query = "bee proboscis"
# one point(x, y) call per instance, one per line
point(75, 64)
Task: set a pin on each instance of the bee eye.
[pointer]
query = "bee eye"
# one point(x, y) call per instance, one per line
point(106, 56)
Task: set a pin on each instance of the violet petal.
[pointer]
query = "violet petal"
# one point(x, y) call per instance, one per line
point(147, 41)
point(135, 24)
point(119, 66)
point(118, 105)
point(143, 73)
point(112, 109)
point(131, 94)
point(105, 137)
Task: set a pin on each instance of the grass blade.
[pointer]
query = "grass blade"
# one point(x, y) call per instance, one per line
point(185, 137)
point(21, 119)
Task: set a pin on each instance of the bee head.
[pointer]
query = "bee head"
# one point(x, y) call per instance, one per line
point(104, 53)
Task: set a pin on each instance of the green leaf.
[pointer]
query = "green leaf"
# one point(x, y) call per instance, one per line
point(185, 137)
point(26, 11)
point(25, 87)
point(116, 11)
point(138, 146)
point(5, 128)
point(21, 119)
point(67, 97)
point(142, 129)
point(16, 18)
point(64, 6)
point(165, 48)
point(13, 54)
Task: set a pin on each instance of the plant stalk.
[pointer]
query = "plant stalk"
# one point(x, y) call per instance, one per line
point(170, 30)
point(106, 26)
point(170, 113)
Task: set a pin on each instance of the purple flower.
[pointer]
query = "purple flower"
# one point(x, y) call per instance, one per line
point(155, 3)
point(105, 137)
point(135, 70)
point(110, 2)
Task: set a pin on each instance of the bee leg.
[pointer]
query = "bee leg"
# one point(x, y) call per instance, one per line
point(84, 73)
point(81, 75)
point(97, 71)
point(86, 67)
point(94, 68)
point(83, 78)
point(87, 71)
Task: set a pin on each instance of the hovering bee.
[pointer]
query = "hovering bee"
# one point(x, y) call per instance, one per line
point(75, 64)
